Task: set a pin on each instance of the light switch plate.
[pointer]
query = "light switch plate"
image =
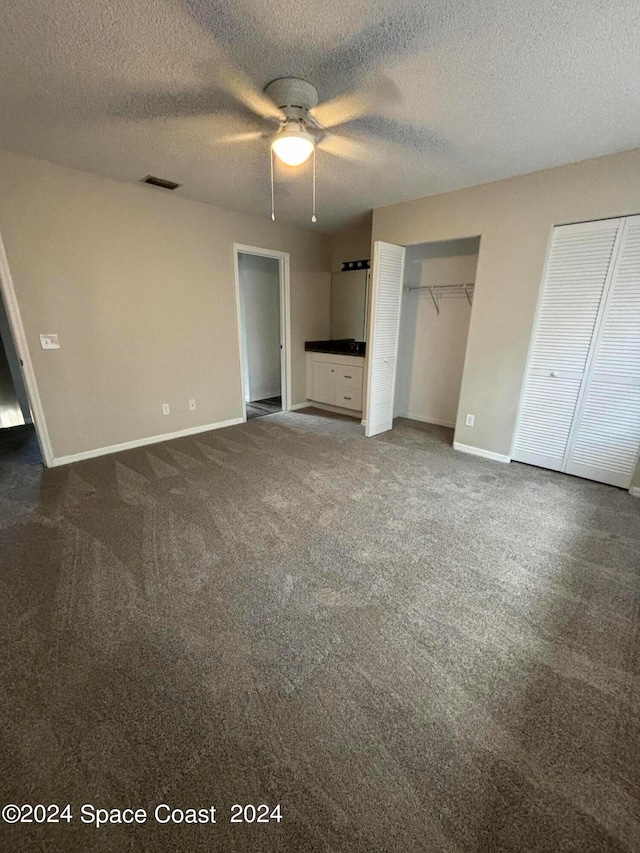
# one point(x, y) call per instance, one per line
point(469, 421)
point(49, 342)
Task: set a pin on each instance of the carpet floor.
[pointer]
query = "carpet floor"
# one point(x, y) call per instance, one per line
point(407, 648)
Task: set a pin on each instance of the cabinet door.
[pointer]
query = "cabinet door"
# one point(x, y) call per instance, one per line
point(577, 274)
point(324, 382)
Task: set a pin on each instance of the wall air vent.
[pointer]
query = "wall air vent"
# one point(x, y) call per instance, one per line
point(160, 182)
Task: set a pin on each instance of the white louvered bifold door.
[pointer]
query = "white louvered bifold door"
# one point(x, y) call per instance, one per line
point(577, 271)
point(382, 346)
point(605, 440)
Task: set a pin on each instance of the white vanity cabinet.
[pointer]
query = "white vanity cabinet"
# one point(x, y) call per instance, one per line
point(335, 380)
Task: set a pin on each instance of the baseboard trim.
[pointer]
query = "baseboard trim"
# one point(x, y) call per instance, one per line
point(634, 491)
point(142, 442)
point(478, 451)
point(424, 420)
point(262, 397)
point(297, 406)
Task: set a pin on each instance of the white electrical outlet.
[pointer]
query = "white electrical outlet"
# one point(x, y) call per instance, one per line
point(192, 404)
point(165, 409)
point(469, 420)
point(49, 342)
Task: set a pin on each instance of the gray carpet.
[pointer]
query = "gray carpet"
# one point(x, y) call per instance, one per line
point(408, 648)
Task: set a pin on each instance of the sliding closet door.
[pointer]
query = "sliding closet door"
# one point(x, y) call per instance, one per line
point(387, 277)
point(577, 271)
point(606, 436)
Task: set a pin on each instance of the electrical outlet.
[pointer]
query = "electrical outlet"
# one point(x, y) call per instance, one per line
point(165, 409)
point(192, 404)
point(49, 342)
point(469, 420)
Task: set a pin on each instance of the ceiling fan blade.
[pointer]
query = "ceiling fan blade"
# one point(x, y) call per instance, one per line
point(346, 148)
point(233, 138)
point(228, 77)
point(369, 99)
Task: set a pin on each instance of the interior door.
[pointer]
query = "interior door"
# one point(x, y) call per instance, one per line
point(384, 325)
point(605, 439)
point(578, 270)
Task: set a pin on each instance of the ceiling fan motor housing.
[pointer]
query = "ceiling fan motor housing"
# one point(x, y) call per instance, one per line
point(292, 92)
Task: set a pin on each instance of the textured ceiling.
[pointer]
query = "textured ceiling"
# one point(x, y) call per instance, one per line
point(488, 90)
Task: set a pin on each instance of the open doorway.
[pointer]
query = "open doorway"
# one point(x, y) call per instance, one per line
point(262, 286)
point(23, 432)
point(439, 280)
point(17, 432)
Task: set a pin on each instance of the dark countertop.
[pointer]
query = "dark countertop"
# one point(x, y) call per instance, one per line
point(344, 346)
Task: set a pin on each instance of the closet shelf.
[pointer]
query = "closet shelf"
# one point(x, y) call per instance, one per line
point(446, 291)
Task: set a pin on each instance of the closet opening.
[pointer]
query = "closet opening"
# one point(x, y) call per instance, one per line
point(437, 301)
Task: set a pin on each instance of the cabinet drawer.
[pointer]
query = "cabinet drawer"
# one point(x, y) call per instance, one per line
point(349, 377)
point(348, 398)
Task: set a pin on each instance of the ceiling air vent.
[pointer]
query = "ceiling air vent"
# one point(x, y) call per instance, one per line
point(160, 182)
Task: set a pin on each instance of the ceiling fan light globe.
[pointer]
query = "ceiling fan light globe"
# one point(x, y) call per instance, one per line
point(293, 146)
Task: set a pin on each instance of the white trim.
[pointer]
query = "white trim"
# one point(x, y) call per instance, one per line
point(20, 342)
point(285, 318)
point(297, 406)
point(266, 395)
point(426, 420)
point(634, 491)
point(142, 442)
point(478, 451)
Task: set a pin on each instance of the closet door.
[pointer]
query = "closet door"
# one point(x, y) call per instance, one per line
point(605, 438)
point(382, 342)
point(577, 271)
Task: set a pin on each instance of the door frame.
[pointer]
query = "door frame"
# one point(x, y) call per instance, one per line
point(16, 326)
point(284, 269)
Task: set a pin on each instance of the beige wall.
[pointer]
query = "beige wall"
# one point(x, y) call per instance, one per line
point(352, 243)
point(139, 285)
point(514, 219)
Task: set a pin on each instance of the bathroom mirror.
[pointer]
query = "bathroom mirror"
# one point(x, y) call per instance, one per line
point(349, 304)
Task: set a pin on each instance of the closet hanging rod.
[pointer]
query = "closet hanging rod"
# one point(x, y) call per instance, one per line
point(439, 287)
point(447, 291)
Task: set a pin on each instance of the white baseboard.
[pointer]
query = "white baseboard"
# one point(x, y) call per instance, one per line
point(297, 406)
point(141, 442)
point(262, 396)
point(634, 491)
point(478, 451)
point(425, 420)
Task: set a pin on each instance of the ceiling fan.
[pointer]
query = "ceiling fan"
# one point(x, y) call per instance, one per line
point(303, 125)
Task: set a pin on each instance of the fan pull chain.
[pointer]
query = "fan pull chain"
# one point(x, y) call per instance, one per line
point(313, 215)
point(273, 203)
